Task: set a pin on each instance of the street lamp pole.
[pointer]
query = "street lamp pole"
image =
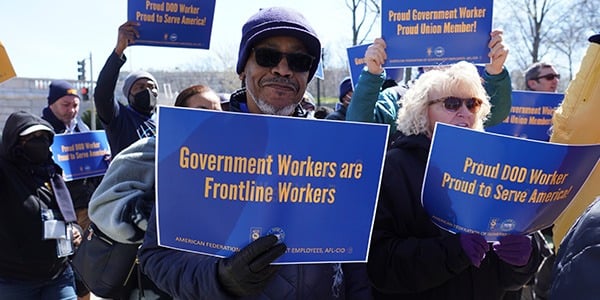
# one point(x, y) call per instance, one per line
point(91, 92)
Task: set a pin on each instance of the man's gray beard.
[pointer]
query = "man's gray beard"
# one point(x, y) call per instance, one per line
point(269, 109)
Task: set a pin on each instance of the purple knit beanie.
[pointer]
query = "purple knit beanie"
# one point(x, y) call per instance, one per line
point(275, 21)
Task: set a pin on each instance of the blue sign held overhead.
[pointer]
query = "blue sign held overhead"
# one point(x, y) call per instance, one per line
point(426, 33)
point(177, 23)
point(356, 62)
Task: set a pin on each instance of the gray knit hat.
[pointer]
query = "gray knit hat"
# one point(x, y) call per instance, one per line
point(274, 21)
point(132, 77)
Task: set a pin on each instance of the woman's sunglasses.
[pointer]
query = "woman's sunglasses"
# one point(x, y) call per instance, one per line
point(548, 77)
point(269, 58)
point(454, 103)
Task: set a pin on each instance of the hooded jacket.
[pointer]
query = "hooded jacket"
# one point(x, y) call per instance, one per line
point(411, 258)
point(24, 255)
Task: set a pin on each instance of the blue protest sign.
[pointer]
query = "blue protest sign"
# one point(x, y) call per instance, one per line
point(308, 181)
point(530, 115)
point(496, 185)
point(319, 73)
point(178, 23)
point(425, 33)
point(356, 62)
point(82, 154)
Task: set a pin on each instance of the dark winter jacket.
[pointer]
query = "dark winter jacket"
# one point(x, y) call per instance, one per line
point(411, 258)
point(194, 276)
point(81, 190)
point(24, 192)
point(576, 270)
point(338, 114)
point(122, 124)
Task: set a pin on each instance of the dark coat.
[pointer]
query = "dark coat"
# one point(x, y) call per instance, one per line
point(81, 190)
point(411, 258)
point(338, 114)
point(194, 276)
point(122, 124)
point(23, 194)
point(576, 270)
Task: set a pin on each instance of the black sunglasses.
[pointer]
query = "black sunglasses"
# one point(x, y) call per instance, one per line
point(549, 77)
point(269, 58)
point(454, 103)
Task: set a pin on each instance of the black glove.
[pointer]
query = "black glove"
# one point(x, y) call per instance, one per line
point(248, 271)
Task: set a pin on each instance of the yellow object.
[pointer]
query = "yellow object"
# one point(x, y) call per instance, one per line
point(577, 121)
point(6, 69)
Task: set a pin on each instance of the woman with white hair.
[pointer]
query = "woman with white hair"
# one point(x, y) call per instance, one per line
point(412, 258)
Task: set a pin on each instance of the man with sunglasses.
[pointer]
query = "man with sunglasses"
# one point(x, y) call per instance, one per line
point(542, 77)
point(278, 56)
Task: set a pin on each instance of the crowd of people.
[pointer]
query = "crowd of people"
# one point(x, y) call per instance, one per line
point(410, 257)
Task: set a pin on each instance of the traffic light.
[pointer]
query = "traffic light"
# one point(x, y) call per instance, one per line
point(81, 70)
point(85, 94)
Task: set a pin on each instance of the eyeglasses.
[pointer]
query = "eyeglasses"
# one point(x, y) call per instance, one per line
point(548, 77)
point(453, 104)
point(269, 58)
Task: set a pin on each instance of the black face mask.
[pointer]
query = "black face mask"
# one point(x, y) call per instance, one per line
point(144, 101)
point(37, 149)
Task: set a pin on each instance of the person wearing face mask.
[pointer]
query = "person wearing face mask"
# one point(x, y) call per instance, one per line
point(412, 258)
point(125, 124)
point(38, 229)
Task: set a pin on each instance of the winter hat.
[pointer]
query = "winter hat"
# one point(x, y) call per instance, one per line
point(60, 88)
point(275, 21)
point(345, 87)
point(133, 77)
point(34, 128)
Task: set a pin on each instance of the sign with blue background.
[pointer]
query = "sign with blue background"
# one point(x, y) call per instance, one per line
point(356, 62)
point(174, 23)
point(496, 185)
point(82, 154)
point(530, 115)
point(224, 179)
point(425, 33)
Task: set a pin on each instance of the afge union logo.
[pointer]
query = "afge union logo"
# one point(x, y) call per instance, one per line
point(255, 233)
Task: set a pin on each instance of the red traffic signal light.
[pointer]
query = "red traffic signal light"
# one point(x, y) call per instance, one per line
point(85, 93)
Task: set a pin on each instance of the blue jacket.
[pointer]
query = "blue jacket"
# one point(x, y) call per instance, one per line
point(187, 275)
point(122, 124)
point(577, 266)
point(370, 104)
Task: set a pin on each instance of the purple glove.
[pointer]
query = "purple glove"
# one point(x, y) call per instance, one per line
point(475, 247)
point(514, 249)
